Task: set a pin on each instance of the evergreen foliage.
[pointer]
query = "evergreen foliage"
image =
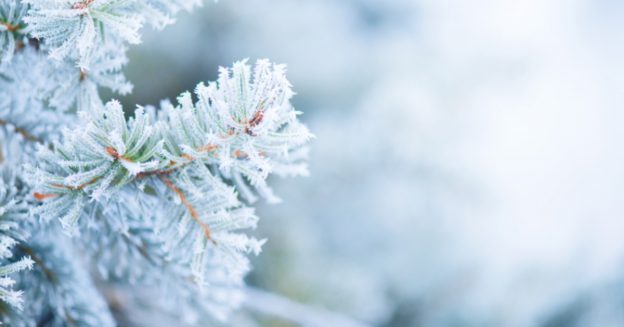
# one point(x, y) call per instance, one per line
point(157, 202)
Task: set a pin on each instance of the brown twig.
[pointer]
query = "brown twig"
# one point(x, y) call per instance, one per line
point(110, 150)
point(27, 136)
point(76, 188)
point(30, 252)
point(41, 196)
point(207, 148)
point(10, 27)
point(82, 5)
point(190, 208)
point(255, 120)
point(83, 74)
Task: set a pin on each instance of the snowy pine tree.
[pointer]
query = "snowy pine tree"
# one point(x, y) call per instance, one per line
point(155, 205)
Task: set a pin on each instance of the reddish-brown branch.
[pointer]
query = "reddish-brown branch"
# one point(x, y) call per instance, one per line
point(255, 120)
point(82, 5)
point(41, 196)
point(240, 154)
point(22, 132)
point(187, 156)
point(160, 172)
point(116, 155)
point(188, 206)
point(76, 188)
point(207, 148)
point(83, 74)
point(10, 27)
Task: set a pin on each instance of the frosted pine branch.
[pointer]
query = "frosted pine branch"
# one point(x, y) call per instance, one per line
point(158, 202)
point(11, 27)
point(241, 125)
point(13, 211)
point(73, 28)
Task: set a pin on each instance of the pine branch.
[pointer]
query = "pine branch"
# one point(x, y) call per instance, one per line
point(13, 211)
point(241, 125)
point(111, 153)
point(154, 197)
point(70, 28)
point(189, 207)
point(60, 290)
point(11, 26)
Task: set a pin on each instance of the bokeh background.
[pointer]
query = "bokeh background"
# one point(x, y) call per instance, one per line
point(468, 168)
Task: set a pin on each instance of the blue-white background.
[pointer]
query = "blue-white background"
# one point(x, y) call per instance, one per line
point(469, 162)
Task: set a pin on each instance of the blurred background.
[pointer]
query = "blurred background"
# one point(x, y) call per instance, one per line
point(468, 167)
